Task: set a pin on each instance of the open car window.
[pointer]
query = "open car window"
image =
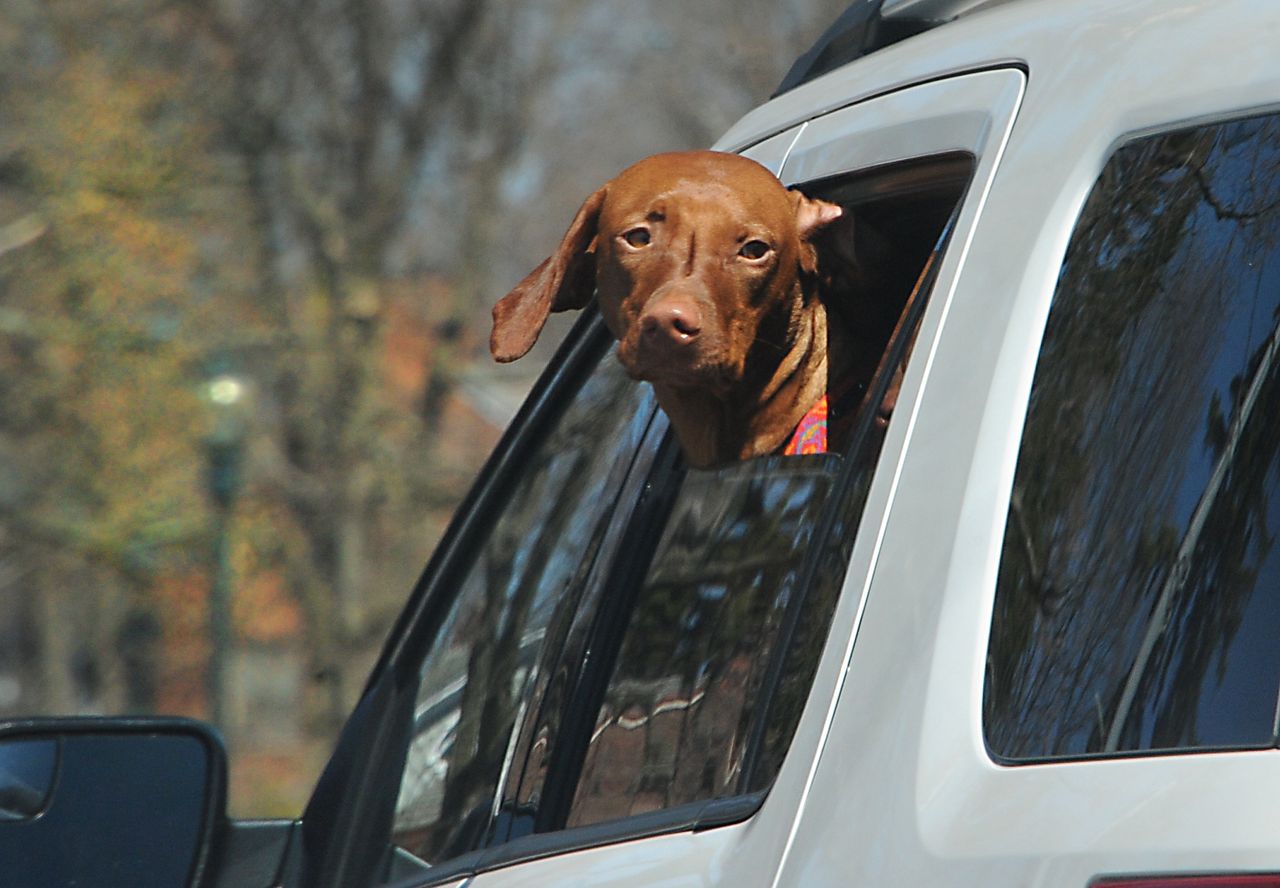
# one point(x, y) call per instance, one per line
point(634, 642)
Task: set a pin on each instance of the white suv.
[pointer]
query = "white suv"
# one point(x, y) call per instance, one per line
point(1029, 634)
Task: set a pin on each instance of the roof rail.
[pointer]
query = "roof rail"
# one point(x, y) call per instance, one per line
point(870, 25)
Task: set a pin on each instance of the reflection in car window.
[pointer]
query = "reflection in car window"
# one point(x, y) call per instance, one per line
point(474, 678)
point(1138, 600)
point(679, 707)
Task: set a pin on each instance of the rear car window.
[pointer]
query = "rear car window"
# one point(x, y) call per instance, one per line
point(1138, 599)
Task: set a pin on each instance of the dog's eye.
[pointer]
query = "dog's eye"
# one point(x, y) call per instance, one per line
point(754, 249)
point(637, 237)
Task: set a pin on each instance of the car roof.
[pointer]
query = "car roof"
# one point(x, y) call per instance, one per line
point(1091, 44)
point(867, 26)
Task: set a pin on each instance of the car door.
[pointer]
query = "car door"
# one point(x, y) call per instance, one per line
point(917, 164)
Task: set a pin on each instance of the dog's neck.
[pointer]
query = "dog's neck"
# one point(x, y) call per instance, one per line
point(759, 416)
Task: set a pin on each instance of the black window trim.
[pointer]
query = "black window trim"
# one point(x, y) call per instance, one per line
point(343, 833)
point(567, 642)
point(433, 593)
point(594, 664)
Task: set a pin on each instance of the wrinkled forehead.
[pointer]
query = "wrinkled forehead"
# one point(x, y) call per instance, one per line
point(732, 188)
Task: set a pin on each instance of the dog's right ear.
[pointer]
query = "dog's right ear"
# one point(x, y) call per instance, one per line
point(565, 280)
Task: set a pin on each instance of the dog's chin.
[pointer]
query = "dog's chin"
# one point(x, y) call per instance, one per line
point(682, 374)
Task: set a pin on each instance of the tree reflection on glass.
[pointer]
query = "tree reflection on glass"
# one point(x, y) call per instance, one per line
point(678, 709)
point(1139, 590)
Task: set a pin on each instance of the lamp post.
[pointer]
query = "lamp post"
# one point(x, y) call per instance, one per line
point(226, 395)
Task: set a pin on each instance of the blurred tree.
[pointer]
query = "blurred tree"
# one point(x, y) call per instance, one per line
point(109, 222)
point(338, 109)
point(332, 192)
point(383, 142)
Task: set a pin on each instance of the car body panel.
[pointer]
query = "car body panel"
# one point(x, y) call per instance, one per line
point(1048, 36)
point(681, 860)
point(772, 152)
point(906, 775)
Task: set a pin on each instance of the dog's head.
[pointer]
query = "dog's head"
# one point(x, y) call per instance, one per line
point(697, 259)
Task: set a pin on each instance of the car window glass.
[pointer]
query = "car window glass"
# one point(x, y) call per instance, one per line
point(1138, 598)
point(678, 709)
point(474, 678)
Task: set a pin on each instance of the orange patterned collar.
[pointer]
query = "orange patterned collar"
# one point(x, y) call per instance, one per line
point(826, 425)
point(811, 434)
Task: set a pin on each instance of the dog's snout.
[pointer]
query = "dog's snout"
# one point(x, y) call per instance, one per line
point(675, 322)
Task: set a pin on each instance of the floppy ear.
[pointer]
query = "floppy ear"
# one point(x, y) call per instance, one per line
point(565, 280)
point(812, 216)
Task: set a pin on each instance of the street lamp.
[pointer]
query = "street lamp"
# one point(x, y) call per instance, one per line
point(227, 397)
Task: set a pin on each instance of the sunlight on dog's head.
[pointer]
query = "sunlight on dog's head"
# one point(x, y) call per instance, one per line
point(695, 257)
point(702, 264)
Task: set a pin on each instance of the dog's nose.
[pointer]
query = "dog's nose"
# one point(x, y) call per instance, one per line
point(676, 322)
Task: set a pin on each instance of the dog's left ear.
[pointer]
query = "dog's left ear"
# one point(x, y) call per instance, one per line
point(812, 216)
point(565, 280)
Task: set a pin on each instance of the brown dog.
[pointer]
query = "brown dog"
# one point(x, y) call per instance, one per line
point(706, 273)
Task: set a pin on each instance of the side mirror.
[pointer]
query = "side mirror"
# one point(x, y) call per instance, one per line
point(109, 802)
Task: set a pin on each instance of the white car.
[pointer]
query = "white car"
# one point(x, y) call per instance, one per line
point(1028, 635)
